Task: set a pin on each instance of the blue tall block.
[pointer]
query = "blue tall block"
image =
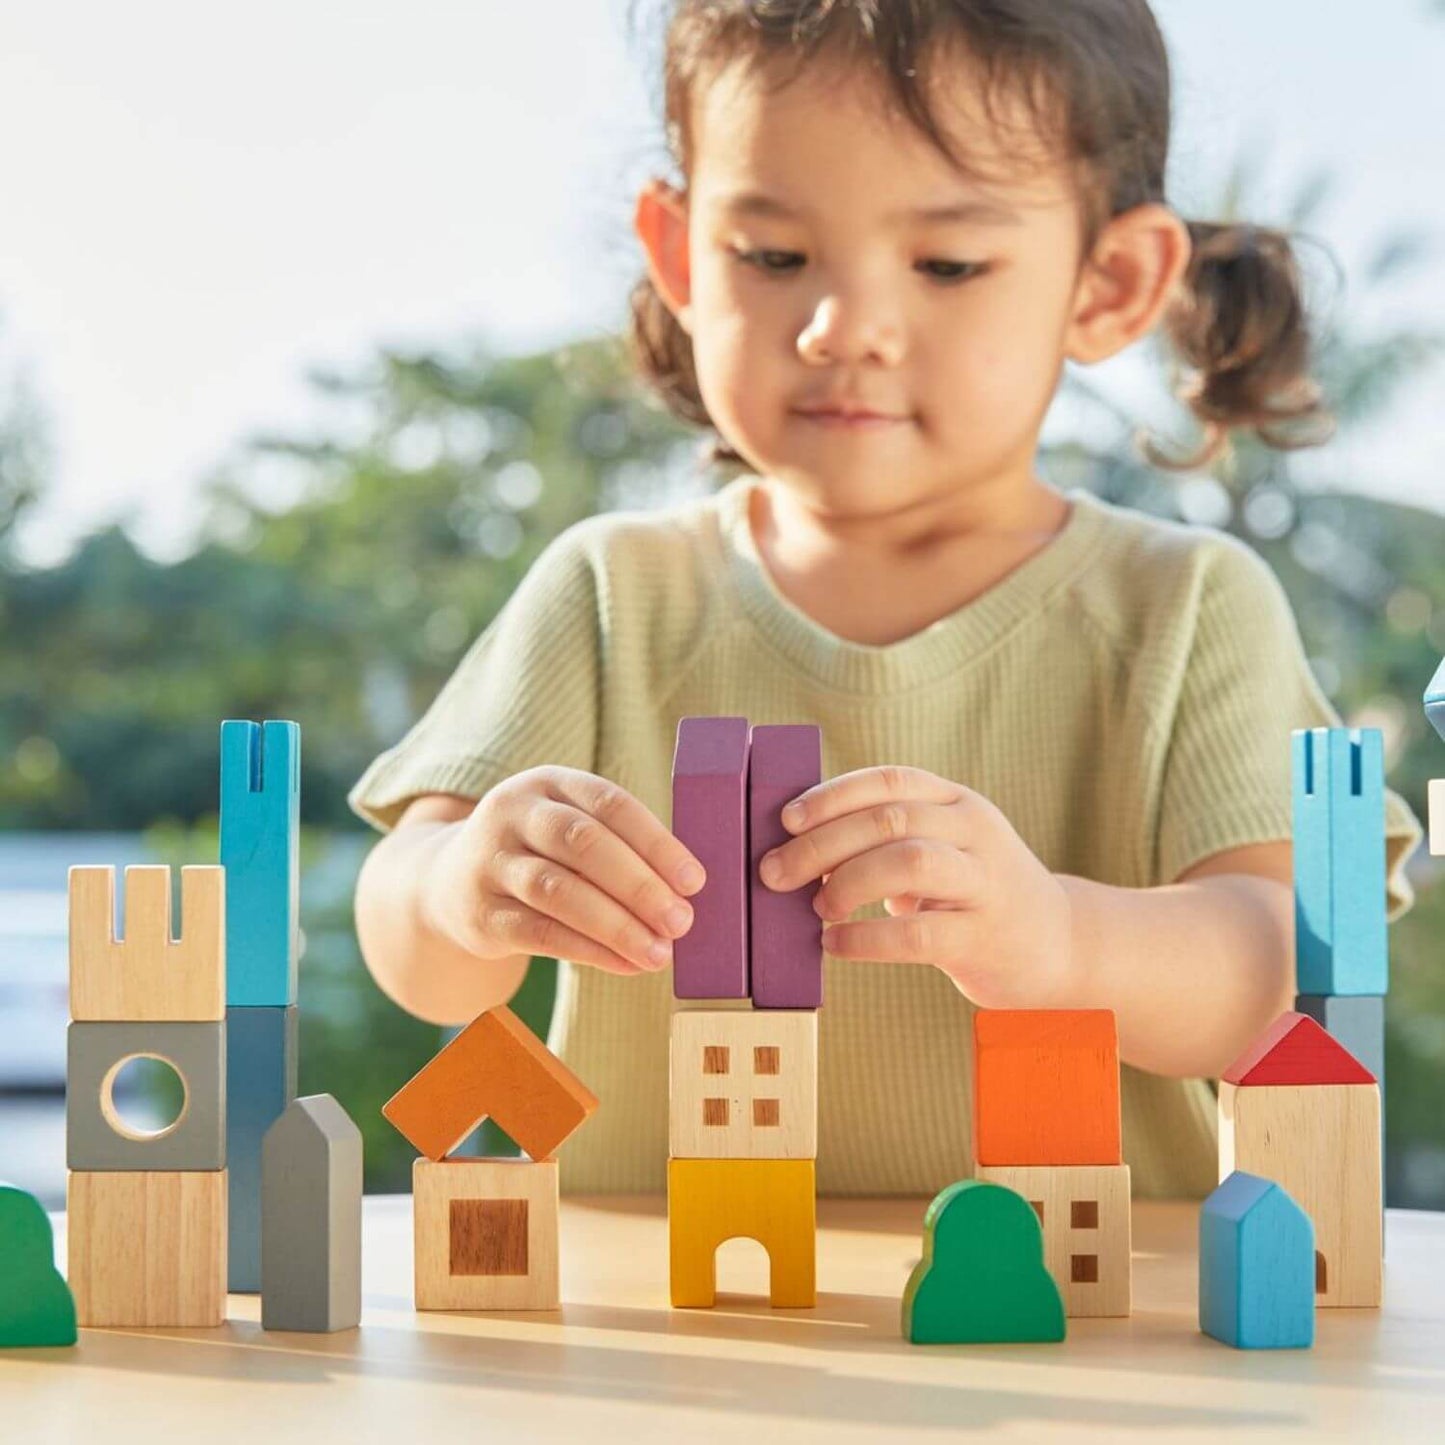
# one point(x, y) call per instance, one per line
point(260, 829)
point(1256, 1266)
point(1338, 777)
point(260, 1084)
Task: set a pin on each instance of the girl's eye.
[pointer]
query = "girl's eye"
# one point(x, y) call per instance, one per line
point(776, 263)
point(955, 270)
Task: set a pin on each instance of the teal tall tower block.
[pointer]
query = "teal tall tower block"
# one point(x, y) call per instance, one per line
point(260, 829)
point(1338, 777)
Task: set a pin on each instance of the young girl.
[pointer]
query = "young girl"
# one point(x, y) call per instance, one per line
point(1055, 731)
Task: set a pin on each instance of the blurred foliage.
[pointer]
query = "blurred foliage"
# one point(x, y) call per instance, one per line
point(341, 573)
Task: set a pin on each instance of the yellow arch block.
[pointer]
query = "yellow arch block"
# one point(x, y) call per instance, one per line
point(773, 1201)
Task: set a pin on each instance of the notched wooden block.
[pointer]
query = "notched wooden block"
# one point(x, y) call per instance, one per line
point(146, 975)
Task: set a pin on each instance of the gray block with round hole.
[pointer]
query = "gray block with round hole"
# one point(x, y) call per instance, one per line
point(97, 1139)
point(311, 1219)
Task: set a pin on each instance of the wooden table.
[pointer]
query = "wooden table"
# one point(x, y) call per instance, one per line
point(618, 1363)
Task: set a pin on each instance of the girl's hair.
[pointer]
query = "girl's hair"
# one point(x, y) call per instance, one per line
point(1094, 76)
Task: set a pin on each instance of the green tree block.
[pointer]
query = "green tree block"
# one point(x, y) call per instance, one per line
point(36, 1307)
point(982, 1278)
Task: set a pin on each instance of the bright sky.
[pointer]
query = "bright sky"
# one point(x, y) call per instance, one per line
point(202, 201)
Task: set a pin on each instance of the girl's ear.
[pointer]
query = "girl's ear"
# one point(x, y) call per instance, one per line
point(1124, 287)
point(660, 221)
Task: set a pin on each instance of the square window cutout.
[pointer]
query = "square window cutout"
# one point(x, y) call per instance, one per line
point(488, 1236)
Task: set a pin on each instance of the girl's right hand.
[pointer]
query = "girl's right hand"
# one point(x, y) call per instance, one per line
point(560, 862)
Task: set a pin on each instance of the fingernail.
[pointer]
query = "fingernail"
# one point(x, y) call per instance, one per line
point(771, 870)
point(659, 951)
point(690, 877)
point(793, 813)
point(677, 918)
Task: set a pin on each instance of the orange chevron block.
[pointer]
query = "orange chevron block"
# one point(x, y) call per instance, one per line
point(495, 1068)
point(1046, 1087)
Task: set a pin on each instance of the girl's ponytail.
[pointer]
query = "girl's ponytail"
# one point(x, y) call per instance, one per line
point(1240, 325)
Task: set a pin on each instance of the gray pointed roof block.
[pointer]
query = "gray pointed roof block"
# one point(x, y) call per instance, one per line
point(311, 1219)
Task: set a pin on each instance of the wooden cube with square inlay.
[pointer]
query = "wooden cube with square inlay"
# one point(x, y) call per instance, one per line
point(1084, 1210)
point(485, 1234)
point(744, 1084)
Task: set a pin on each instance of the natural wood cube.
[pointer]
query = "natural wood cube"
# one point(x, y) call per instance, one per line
point(744, 1084)
point(1084, 1210)
point(485, 1234)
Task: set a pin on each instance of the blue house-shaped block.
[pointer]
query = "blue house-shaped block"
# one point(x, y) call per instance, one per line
point(1256, 1266)
point(1435, 700)
point(1338, 781)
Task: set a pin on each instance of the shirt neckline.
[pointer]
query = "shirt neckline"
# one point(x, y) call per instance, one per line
point(944, 645)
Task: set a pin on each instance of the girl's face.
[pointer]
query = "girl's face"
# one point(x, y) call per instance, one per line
point(814, 277)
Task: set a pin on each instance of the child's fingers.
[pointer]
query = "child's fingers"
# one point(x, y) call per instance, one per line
point(632, 821)
point(575, 903)
point(527, 931)
point(588, 846)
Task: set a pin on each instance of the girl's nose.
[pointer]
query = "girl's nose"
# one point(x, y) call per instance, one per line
point(858, 331)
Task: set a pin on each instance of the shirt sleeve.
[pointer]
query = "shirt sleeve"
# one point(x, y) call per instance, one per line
point(524, 694)
point(1247, 685)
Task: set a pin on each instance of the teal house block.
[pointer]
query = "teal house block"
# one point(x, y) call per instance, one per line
point(260, 830)
point(261, 1059)
point(1435, 700)
point(1338, 780)
point(1256, 1266)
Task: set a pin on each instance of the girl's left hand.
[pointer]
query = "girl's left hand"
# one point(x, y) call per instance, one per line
point(967, 893)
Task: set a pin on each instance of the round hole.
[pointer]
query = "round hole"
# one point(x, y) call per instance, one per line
point(144, 1097)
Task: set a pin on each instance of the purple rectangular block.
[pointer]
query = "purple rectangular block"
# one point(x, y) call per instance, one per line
point(786, 935)
point(710, 816)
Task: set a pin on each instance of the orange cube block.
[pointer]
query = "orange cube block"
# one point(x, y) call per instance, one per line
point(1046, 1087)
point(495, 1068)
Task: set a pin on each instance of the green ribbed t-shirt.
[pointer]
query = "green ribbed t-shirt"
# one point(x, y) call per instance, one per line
point(1125, 695)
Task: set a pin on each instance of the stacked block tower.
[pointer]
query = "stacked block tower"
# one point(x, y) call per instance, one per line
point(743, 1132)
point(485, 1230)
point(1341, 948)
point(147, 1209)
point(260, 826)
point(1047, 1126)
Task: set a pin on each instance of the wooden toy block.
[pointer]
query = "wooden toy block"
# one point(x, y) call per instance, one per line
point(146, 976)
point(744, 1084)
point(773, 1201)
point(1046, 1087)
point(1435, 700)
point(785, 935)
point(260, 831)
point(1321, 1142)
point(981, 1279)
point(97, 1137)
point(486, 1234)
point(1357, 1022)
point(311, 1219)
point(710, 817)
point(1338, 783)
point(36, 1307)
point(495, 1068)
point(260, 1082)
point(147, 1249)
point(1436, 801)
point(1256, 1267)
point(1084, 1212)
point(1294, 1049)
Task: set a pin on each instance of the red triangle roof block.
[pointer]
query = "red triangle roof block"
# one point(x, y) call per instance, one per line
point(1294, 1049)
